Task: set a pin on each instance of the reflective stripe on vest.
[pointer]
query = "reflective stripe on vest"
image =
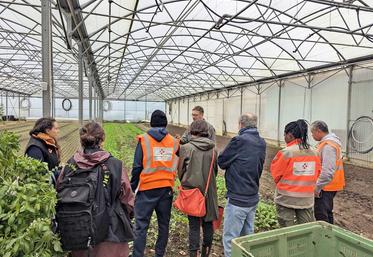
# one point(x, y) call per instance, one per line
point(296, 194)
point(149, 156)
point(300, 169)
point(297, 183)
point(296, 188)
point(159, 162)
point(338, 181)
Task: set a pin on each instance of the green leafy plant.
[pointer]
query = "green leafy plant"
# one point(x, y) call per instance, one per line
point(266, 217)
point(121, 141)
point(222, 190)
point(27, 204)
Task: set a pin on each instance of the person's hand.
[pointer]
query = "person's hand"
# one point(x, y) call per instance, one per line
point(177, 136)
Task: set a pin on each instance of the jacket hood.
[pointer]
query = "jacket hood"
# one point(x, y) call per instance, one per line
point(332, 137)
point(158, 133)
point(87, 160)
point(202, 143)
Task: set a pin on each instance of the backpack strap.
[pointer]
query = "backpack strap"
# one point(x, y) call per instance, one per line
point(62, 174)
point(105, 173)
point(71, 161)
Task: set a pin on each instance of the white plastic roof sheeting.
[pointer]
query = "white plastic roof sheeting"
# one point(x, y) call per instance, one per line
point(158, 50)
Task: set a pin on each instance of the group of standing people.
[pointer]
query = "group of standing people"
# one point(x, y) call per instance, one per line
point(306, 179)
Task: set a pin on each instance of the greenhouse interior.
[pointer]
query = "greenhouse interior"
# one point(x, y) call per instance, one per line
point(119, 63)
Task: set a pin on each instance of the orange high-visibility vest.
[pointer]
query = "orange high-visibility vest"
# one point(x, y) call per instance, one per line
point(159, 162)
point(338, 181)
point(295, 171)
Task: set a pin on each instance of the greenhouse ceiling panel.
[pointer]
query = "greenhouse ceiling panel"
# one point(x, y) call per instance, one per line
point(158, 50)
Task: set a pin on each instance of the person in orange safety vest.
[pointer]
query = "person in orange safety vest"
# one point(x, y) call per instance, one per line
point(331, 179)
point(153, 177)
point(295, 170)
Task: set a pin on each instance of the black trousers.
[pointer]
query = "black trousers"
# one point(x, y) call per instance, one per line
point(324, 206)
point(194, 233)
point(146, 202)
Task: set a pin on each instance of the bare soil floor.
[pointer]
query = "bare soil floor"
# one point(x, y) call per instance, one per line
point(353, 207)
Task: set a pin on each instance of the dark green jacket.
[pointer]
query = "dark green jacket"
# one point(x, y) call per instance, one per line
point(194, 166)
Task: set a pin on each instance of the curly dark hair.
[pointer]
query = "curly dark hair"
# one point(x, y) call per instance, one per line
point(299, 129)
point(91, 135)
point(41, 126)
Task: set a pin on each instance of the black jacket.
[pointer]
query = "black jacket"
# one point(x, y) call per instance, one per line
point(39, 150)
point(120, 229)
point(120, 226)
point(243, 160)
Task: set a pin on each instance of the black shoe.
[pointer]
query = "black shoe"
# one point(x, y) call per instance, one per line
point(193, 253)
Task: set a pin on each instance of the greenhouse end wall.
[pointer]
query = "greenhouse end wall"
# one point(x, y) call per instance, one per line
point(322, 96)
point(119, 110)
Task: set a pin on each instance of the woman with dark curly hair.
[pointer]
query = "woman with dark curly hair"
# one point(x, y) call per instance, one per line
point(295, 170)
point(43, 144)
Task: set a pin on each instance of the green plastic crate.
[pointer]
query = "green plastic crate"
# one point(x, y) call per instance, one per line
point(316, 239)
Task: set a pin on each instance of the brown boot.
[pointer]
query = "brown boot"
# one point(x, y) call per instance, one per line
point(206, 251)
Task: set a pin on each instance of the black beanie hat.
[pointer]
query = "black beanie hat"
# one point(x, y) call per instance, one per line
point(158, 119)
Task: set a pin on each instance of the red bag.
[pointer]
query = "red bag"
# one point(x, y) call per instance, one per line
point(216, 223)
point(191, 201)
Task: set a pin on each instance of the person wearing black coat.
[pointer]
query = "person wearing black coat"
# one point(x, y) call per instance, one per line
point(43, 144)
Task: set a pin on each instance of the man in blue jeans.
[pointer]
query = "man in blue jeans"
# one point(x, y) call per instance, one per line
point(242, 160)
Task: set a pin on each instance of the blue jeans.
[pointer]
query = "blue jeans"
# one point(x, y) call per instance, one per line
point(238, 221)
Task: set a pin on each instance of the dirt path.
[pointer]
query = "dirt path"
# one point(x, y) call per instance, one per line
point(353, 207)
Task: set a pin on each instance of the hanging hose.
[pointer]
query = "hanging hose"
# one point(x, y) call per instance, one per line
point(360, 136)
point(66, 104)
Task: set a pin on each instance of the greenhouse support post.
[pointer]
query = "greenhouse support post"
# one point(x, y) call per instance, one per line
point(80, 70)
point(90, 96)
point(350, 73)
point(19, 106)
point(46, 53)
point(6, 106)
point(279, 113)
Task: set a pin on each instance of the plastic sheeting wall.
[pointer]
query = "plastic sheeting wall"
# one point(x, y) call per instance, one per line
point(268, 116)
point(134, 110)
point(362, 103)
point(184, 112)
point(323, 96)
point(329, 102)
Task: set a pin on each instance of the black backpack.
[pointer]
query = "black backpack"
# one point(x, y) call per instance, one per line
point(83, 206)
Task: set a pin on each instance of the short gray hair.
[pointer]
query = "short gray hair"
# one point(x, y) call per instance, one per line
point(321, 125)
point(249, 120)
